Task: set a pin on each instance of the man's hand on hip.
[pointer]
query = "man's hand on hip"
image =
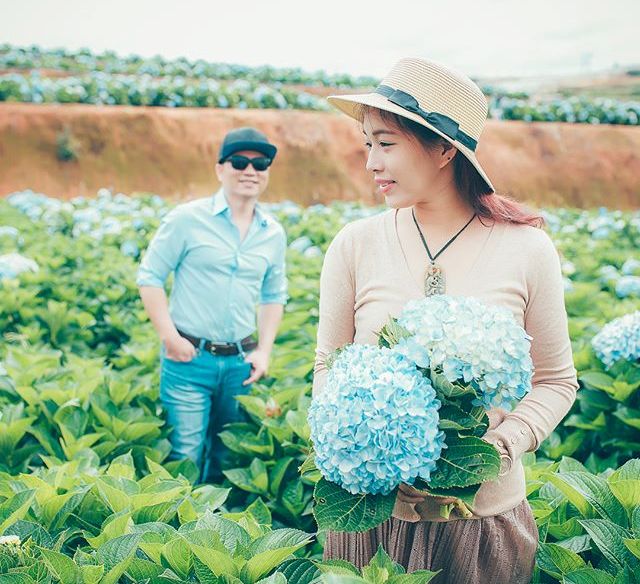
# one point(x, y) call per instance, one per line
point(177, 348)
point(259, 360)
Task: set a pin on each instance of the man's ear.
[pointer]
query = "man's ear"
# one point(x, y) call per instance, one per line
point(219, 168)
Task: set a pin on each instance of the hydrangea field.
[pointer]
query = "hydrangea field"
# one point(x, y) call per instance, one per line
point(86, 492)
point(108, 79)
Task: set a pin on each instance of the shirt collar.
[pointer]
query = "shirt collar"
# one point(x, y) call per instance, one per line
point(220, 205)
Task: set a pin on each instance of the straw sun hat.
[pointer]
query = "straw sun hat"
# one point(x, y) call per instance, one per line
point(446, 102)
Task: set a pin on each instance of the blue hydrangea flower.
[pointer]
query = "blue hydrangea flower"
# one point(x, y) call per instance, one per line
point(472, 343)
point(9, 231)
point(619, 340)
point(631, 267)
point(628, 286)
point(130, 248)
point(14, 264)
point(375, 424)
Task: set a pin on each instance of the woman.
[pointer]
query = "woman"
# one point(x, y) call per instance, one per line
point(447, 232)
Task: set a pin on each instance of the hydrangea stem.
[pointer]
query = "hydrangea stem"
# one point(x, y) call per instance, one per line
point(461, 506)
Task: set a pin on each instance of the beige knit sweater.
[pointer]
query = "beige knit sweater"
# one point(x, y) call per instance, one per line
point(375, 265)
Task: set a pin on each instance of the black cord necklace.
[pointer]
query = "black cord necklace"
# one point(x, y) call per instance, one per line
point(434, 282)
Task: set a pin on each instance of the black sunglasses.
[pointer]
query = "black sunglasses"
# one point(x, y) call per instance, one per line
point(241, 162)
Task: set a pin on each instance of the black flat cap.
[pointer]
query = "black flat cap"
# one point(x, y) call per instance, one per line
point(246, 139)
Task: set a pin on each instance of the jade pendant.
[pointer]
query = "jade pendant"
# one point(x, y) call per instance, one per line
point(433, 280)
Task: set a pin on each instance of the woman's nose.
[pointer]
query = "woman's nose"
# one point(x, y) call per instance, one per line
point(373, 162)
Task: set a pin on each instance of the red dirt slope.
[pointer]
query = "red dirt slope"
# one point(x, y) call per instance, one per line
point(172, 151)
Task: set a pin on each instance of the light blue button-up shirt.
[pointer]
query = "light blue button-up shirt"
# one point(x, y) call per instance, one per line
point(218, 280)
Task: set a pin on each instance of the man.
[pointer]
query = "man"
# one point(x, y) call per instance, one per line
point(227, 255)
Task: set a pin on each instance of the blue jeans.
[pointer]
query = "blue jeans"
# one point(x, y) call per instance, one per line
point(199, 399)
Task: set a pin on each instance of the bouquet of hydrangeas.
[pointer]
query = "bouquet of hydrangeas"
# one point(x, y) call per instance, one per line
point(413, 410)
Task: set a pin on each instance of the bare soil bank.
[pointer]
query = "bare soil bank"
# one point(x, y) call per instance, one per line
point(322, 156)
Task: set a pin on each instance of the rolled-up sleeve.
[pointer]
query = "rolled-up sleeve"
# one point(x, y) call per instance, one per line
point(274, 284)
point(554, 382)
point(164, 252)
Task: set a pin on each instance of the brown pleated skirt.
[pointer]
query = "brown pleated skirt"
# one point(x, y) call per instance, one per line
point(490, 550)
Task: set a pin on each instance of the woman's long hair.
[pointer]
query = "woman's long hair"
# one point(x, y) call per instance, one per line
point(470, 184)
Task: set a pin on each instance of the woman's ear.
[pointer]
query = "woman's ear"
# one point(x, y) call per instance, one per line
point(447, 152)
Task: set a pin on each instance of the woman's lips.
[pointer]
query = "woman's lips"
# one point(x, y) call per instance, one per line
point(386, 186)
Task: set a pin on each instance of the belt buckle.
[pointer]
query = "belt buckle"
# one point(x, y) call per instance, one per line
point(212, 349)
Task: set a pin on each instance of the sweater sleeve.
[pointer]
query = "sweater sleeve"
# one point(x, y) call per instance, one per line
point(336, 326)
point(554, 383)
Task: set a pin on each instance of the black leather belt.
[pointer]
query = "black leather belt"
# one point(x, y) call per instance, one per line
point(247, 344)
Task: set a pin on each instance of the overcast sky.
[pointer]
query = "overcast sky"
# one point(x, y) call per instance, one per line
point(482, 38)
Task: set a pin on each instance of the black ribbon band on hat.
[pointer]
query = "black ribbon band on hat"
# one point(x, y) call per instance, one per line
point(441, 122)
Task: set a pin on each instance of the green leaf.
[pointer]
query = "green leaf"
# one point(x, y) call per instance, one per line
point(116, 555)
point(588, 576)
point(309, 465)
point(160, 512)
point(633, 545)
point(58, 508)
point(466, 494)
point(627, 576)
point(597, 380)
point(204, 574)
point(278, 474)
point(628, 416)
point(555, 447)
point(454, 418)
point(556, 560)
point(337, 566)
point(299, 571)
point(140, 569)
point(417, 577)
point(466, 461)
point(178, 555)
point(277, 539)
point(122, 466)
point(338, 510)
point(113, 526)
point(15, 508)
point(260, 512)
point(248, 443)
point(391, 334)
point(16, 578)
point(91, 574)
point(625, 484)
point(219, 562)
point(590, 494)
point(262, 562)
point(275, 578)
point(578, 543)
point(380, 568)
point(253, 479)
point(635, 521)
point(186, 467)
point(114, 497)
point(11, 433)
point(444, 388)
point(211, 497)
point(231, 534)
point(297, 420)
point(342, 579)
point(61, 567)
point(609, 538)
point(28, 529)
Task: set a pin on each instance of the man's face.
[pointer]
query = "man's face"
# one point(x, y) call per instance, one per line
point(247, 183)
